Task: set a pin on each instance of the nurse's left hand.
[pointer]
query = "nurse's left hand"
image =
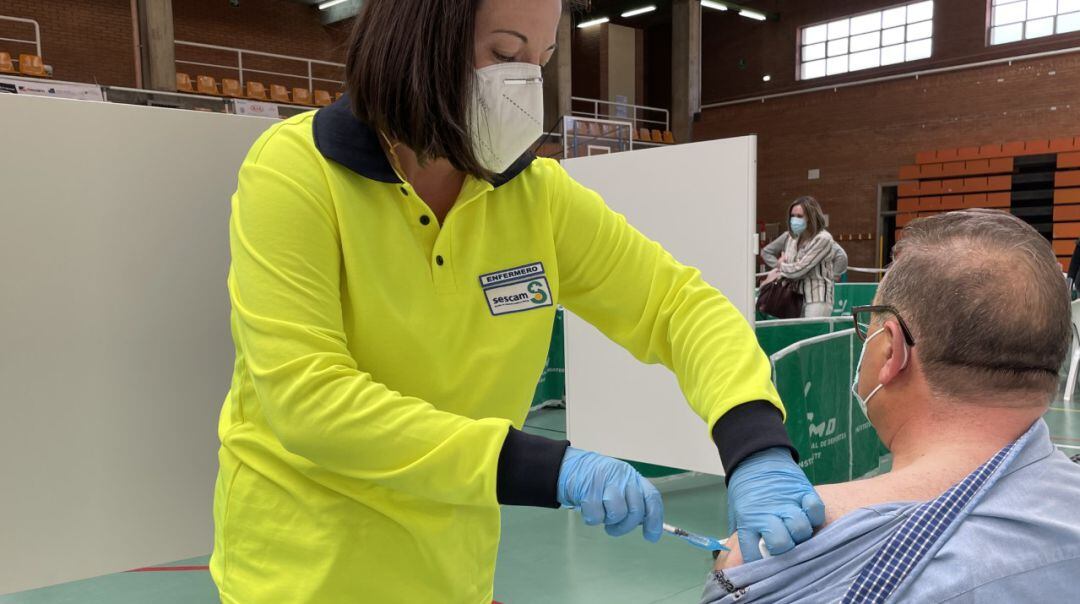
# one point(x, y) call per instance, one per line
point(770, 499)
point(610, 492)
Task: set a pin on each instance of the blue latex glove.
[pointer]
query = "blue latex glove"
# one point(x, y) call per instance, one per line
point(611, 492)
point(770, 498)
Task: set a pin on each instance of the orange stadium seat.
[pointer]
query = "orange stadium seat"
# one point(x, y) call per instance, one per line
point(656, 136)
point(301, 96)
point(31, 65)
point(183, 82)
point(669, 138)
point(231, 87)
point(644, 135)
point(6, 64)
point(206, 85)
point(322, 98)
point(256, 91)
point(279, 94)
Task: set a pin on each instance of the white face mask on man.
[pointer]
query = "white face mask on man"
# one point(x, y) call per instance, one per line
point(858, 370)
point(507, 114)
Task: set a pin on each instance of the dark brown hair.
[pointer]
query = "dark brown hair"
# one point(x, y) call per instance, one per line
point(815, 218)
point(986, 302)
point(410, 75)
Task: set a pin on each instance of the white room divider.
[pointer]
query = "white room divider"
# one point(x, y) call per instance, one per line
point(115, 353)
point(699, 201)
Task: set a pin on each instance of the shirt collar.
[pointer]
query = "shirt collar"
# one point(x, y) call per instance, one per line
point(343, 138)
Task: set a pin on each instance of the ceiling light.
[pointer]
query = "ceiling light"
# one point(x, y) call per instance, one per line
point(713, 5)
point(766, 78)
point(753, 15)
point(593, 22)
point(638, 11)
point(326, 5)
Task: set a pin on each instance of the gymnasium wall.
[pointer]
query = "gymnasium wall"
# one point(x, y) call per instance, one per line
point(859, 136)
point(93, 40)
point(85, 41)
point(727, 39)
point(656, 81)
point(589, 75)
point(622, 63)
point(277, 26)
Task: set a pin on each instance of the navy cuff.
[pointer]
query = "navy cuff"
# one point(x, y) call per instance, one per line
point(747, 429)
point(529, 470)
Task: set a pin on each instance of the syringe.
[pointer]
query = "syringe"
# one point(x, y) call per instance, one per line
point(710, 544)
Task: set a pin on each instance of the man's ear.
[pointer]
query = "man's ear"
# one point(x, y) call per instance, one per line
point(897, 355)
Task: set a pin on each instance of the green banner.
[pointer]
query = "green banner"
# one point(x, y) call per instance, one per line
point(774, 336)
point(849, 295)
point(835, 441)
point(551, 389)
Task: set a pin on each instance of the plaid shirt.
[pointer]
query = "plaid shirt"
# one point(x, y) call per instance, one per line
point(1008, 532)
point(907, 546)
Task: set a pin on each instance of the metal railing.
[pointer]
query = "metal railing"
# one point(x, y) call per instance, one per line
point(37, 33)
point(650, 121)
point(185, 100)
point(850, 269)
point(241, 70)
point(608, 132)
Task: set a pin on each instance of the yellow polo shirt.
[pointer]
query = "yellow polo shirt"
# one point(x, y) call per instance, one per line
point(385, 362)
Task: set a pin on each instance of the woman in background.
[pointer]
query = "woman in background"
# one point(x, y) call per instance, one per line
point(808, 255)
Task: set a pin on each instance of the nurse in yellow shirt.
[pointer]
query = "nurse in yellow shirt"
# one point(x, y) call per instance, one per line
point(396, 262)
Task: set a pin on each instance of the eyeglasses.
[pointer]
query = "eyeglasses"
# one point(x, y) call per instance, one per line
point(863, 315)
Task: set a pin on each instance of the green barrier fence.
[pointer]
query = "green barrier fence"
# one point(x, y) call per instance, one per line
point(834, 439)
point(845, 297)
point(777, 334)
point(813, 366)
point(551, 389)
point(849, 295)
point(773, 336)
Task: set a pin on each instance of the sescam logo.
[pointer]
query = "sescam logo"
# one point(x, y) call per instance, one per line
point(516, 289)
point(538, 291)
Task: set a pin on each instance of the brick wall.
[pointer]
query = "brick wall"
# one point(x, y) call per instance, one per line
point(274, 26)
point(84, 40)
point(737, 52)
point(92, 40)
point(589, 75)
point(657, 67)
point(858, 137)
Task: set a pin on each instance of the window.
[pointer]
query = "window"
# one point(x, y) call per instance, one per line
point(1015, 20)
point(885, 37)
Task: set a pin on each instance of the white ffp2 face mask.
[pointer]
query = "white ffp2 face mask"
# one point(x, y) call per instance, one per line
point(507, 115)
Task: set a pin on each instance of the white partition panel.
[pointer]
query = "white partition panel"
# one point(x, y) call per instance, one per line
point(698, 200)
point(115, 353)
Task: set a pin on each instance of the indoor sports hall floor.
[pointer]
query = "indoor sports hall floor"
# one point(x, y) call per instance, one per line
point(545, 555)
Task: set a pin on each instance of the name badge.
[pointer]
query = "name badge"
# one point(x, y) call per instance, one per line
point(517, 289)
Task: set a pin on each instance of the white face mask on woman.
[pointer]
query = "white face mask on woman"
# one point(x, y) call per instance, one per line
point(507, 115)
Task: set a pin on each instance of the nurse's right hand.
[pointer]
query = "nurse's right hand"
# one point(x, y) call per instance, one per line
point(610, 492)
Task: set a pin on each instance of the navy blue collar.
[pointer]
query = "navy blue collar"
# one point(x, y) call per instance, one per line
point(341, 137)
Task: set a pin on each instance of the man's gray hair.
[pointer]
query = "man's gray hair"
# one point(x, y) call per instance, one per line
point(984, 297)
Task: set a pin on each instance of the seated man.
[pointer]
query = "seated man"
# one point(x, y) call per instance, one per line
point(960, 363)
